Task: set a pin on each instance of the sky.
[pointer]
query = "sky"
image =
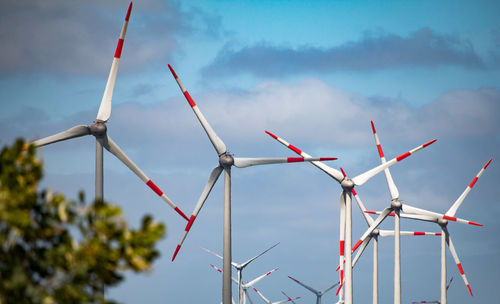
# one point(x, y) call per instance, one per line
point(315, 73)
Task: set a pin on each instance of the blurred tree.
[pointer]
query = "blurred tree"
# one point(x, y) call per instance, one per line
point(53, 250)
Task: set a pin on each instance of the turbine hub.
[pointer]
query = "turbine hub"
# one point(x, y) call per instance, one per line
point(226, 160)
point(376, 231)
point(396, 204)
point(442, 222)
point(98, 128)
point(347, 184)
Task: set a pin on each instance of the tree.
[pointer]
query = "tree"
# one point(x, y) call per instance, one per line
point(54, 250)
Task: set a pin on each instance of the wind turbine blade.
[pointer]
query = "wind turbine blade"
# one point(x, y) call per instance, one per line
point(373, 226)
point(304, 285)
point(391, 233)
point(336, 174)
point(263, 252)
point(105, 107)
point(390, 182)
point(409, 209)
point(214, 175)
point(220, 270)
point(457, 260)
point(247, 162)
point(361, 250)
point(261, 295)
point(364, 177)
point(76, 131)
point(250, 284)
point(219, 256)
point(448, 286)
point(453, 209)
point(112, 147)
point(329, 288)
point(218, 144)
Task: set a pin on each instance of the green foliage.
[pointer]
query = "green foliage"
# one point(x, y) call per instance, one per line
point(53, 250)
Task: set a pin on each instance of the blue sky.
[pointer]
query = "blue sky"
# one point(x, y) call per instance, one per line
point(313, 73)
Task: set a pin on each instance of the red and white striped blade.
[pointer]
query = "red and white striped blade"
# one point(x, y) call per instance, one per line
point(105, 107)
point(214, 175)
point(289, 298)
point(417, 233)
point(112, 147)
point(372, 227)
point(364, 177)
point(251, 283)
point(241, 162)
point(76, 131)
point(261, 295)
point(304, 285)
point(390, 182)
point(453, 209)
point(457, 260)
point(220, 270)
point(336, 174)
point(218, 144)
point(409, 209)
point(217, 255)
point(342, 228)
point(361, 250)
point(243, 265)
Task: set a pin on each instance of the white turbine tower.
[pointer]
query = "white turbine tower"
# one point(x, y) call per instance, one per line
point(247, 285)
point(240, 267)
point(442, 220)
point(318, 293)
point(99, 130)
point(226, 161)
point(347, 185)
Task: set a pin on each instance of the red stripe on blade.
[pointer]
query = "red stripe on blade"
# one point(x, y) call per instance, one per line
point(380, 152)
point(295, 159)
point(189, 99)
point(295, 149)
point(172, 71)
point(450, 218)
point(342, 248)
point(371, 212)
point(373, 127)
point(271, 134)
point(418, 233)
point(190, 223)
point(119, 47)
point(460, 268)
point(357, 245)
point(470, 291)
point(473, 182)
point(128, 12)
point(354, 192)
point(475, 224)
point(429, 143)
point(403, 156)
point(487, 164)
point(154, 187)
point(176, 251)
point(327, 158)
point(181, 213)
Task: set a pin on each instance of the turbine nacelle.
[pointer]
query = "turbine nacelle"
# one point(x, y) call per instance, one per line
point(442, 222)
point(396, 204)
point(347, 184)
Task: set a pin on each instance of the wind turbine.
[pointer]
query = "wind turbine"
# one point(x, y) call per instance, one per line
point(435, 301)
point(246, 286)
point(442, 220)
point(288, 299)
point(226, 161)
point(395, 206)
point(240, 267)
point(374, 235)
point(347, 185)
point(99, 130)
point(318, 293)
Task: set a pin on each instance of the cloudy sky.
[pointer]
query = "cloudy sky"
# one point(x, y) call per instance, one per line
point(313, 73)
